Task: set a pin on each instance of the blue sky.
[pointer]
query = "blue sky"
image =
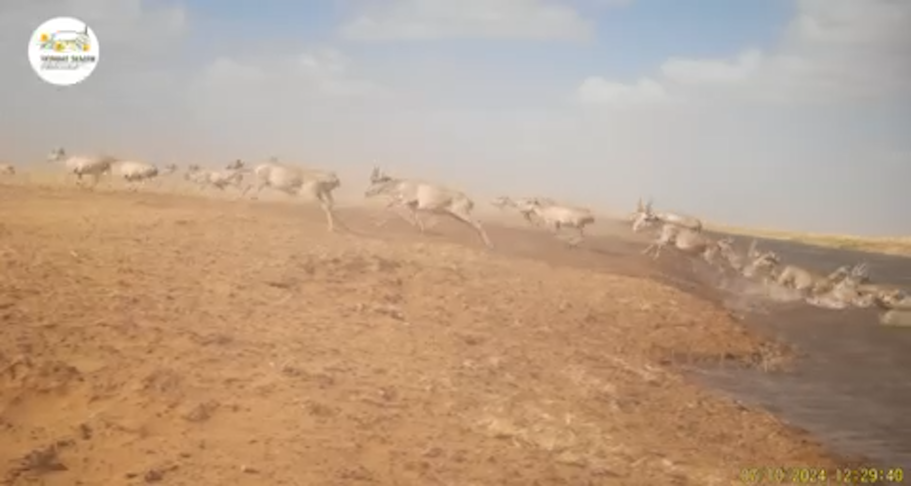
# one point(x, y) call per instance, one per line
point(793, 114)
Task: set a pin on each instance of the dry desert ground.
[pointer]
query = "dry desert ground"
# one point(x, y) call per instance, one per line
point(184, 340)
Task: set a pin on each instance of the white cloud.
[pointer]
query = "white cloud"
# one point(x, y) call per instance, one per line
point(712, 71)
point(833, 51)
point(753, 121)
point(851, 23)
point(286, 103)
point(597, 90)
point(287, 78)
point(486, 127)
point(492, 19)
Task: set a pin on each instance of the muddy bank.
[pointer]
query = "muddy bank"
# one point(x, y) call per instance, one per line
point(846, 380)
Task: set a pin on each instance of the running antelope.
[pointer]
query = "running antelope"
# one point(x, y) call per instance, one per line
point(808, 282)
point(844, 293)
point(897, 307)
point(219, 179)
point(418, 196)
point(7, 170)
point(734, 259)
point(558, 217)
point(134, 172)
point(877, 291)
point(898, 301)
point(762, 265)
point(235, 165)
point(293, 180)
point(524, 205)
point(688, 241)
point(92, 166)
point(646, 217)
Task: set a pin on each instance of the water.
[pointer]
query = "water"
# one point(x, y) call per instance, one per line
point(850, 386)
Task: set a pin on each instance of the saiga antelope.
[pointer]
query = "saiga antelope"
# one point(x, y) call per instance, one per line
point(691, 242)
point(419, 196)
point(93, 166)
point(558, 217)
point(292, 180)
point(645, 217)
point(525, 206)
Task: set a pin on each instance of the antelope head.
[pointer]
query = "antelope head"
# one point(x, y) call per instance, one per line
point(56, 154)
point(378, 183)
point(503, 202)
point(860, 273)
point(645, 216)
point(889, 300)
point(726, 243)
point(766, 262)
point(631, 217)
point(378, 176)
point(644, 220)
point(840, 273)
point(236, 165)
point(753, 252)
point(771, 256)
point(533, 202)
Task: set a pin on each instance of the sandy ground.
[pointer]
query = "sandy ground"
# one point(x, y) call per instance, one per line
point(183, 340)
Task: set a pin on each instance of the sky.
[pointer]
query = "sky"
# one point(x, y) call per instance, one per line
point(788, 114)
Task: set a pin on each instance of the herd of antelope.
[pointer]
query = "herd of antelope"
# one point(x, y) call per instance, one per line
point(842, 288)
point(846, 286)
